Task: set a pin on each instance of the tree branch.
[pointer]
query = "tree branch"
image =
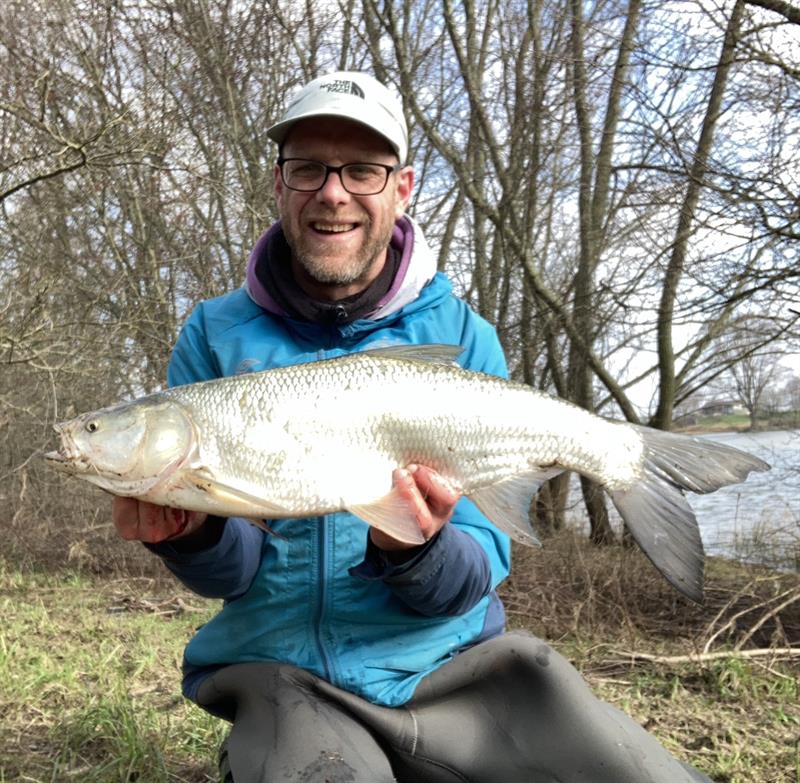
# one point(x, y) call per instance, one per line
point(787, 10)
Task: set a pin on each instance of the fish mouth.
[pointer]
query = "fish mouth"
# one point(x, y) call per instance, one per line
point(68, 456)
point(67, 463)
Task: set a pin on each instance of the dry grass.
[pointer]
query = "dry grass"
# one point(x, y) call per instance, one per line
point(570, 588)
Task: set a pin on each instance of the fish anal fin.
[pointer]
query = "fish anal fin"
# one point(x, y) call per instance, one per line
point(392, 515)
point(507, 503)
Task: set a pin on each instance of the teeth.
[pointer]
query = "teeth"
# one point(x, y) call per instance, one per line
point(333, 228)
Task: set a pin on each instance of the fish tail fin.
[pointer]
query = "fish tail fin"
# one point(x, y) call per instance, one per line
point(694, 464)
point(664, 526)
point(656, 511)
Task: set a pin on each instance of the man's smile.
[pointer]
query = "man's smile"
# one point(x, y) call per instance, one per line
point(333, 228)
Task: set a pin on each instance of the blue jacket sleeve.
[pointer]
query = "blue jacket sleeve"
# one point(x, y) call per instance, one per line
point(424, 584)
point(469, 557)
point(223, 570)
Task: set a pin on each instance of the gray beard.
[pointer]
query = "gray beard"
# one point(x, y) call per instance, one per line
point(352, 272)
point(322, 273)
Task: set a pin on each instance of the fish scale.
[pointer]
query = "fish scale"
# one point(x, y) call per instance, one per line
point(325, 436)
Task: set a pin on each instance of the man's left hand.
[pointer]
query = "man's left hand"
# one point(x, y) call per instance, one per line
point(431, 496)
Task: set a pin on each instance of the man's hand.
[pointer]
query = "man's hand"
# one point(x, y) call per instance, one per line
point(432, 498)
point(137, 520)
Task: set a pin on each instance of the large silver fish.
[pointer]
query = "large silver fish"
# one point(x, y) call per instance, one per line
point(322, 437)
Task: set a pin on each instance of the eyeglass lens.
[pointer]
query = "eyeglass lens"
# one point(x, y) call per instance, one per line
point(361, 179)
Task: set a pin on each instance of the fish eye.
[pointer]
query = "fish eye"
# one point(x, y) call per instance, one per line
point(92, 426)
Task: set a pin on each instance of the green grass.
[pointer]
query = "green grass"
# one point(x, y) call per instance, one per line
point(89, 684)
point(90, 666)
point(734, 719)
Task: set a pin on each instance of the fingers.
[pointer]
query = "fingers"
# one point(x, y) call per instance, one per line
point(412, 496)
point(439, 494)
point(430, 496)
point(125, 515)
point(137, 520)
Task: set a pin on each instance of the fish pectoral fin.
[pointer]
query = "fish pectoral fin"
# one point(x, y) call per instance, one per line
point(237, 501)
point(507, 503)
point(392, 515)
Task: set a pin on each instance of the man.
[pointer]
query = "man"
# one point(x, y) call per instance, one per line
point(342, 654)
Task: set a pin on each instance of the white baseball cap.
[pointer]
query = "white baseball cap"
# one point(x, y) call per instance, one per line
point(355, 96)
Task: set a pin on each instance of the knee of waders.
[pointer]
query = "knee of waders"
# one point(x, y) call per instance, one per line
point(227, 690)
point(526, 661)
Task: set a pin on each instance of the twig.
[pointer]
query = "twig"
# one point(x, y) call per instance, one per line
point(790, 652)
point(718, 616)
point(731, 622)
point(611, 681)
point(773, 672)
point(767, 615)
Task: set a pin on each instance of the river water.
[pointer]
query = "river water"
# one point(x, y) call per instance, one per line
point(756, 521)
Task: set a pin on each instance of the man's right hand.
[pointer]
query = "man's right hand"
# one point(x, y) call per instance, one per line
point(137, 520)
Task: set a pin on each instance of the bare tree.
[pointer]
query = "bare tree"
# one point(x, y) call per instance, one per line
point(755, 364)
point(168, 105)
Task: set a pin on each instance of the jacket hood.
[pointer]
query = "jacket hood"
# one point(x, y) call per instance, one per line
point(417, 268)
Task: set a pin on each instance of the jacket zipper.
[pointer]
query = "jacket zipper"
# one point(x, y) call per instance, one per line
point(322, 596)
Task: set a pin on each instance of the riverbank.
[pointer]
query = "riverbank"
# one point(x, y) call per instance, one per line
point(738, 422)
point(89, 665)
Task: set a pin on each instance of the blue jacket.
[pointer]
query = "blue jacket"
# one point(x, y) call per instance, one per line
point(317, 594)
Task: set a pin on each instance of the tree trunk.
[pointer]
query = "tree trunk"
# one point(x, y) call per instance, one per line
point(672, 278)
point(592, 205)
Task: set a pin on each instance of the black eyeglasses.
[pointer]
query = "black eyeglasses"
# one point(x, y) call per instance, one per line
point(359, 179)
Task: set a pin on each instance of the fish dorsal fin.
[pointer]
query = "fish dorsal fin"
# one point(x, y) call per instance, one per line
point(507, 503)
point(392, 515)
point(433, 353)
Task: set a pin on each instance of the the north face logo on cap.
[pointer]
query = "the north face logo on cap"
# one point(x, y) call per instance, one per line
point(345, 86)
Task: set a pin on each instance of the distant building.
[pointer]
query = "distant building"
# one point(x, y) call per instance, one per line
point(705, 410)
point(719, 408)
